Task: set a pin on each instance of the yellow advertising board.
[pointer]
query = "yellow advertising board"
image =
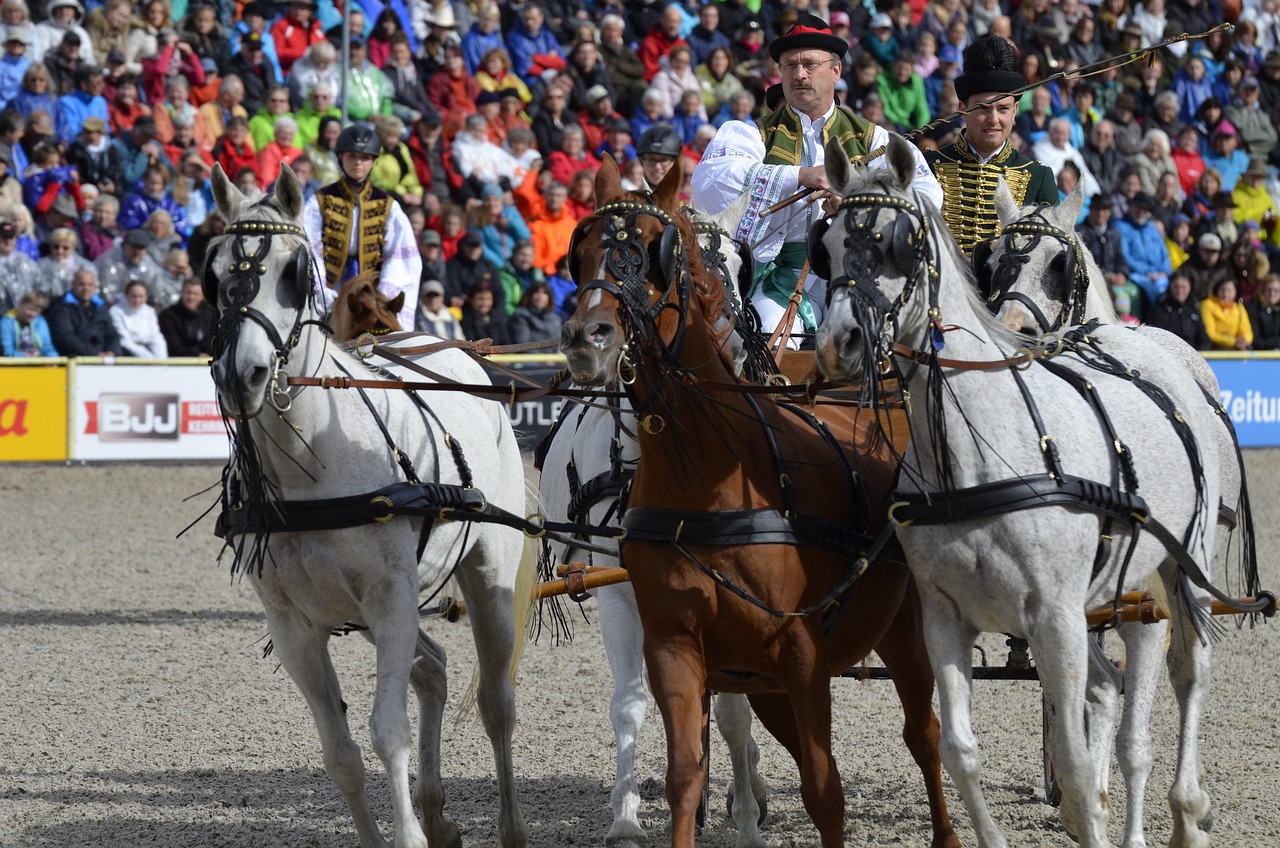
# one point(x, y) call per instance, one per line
point(33, 413)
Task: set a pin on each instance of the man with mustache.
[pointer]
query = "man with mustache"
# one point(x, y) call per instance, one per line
point(969, 167)
point(784, 154)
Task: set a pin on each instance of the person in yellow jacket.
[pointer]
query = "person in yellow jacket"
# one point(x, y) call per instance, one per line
point(1254, 202)
point(1225, 319)
point(393, 170)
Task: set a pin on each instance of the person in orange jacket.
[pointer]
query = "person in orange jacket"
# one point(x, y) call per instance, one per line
point(549, 218)
point(296, 32)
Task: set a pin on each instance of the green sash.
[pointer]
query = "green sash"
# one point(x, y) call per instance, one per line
point(776, 280)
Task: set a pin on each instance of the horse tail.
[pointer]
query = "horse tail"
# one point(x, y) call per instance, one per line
point(526, 578)
point(523, 600)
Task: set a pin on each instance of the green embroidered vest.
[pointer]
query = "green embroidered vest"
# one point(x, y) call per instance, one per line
point(780, 132)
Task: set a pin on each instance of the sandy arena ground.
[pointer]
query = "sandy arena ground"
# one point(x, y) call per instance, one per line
point(138, 709)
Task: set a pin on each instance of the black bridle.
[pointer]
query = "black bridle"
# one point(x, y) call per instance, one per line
point(1014, 260)
point(863, 261)
point(234, 294)
point(626, 260)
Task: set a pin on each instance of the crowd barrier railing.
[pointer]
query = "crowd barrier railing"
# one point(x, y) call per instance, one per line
point(92, 409)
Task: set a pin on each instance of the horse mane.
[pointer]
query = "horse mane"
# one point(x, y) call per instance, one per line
point(945, 245)
point(1099, 295)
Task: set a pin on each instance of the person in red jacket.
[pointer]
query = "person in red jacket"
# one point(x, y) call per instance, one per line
point(234, 151)
point(296, 32)
point(658, 43)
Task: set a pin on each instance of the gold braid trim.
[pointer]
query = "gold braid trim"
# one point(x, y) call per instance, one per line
point(336, 208)
point(969, 188)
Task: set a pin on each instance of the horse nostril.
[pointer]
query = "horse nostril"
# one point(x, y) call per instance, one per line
point(259, 375)
point(599, 333)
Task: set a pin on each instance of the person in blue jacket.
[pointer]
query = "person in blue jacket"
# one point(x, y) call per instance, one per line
point(85, 102)
point(1144, 250)
point(24, 331)
point(531, 38)
point(484, 35)
point(152, 193)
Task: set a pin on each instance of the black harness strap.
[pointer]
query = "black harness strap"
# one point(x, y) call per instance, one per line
point(742, 527)
point(1003, 496)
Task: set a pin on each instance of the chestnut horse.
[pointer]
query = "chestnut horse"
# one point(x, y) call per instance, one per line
point(750, 575)
point(361, 308)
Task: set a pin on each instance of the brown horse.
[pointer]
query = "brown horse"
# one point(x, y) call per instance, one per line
point(361, 308)
point(766, 506)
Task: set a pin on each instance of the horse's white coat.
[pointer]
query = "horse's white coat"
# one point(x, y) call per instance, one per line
point(327, 445)
point(1143, 642)
point(1028, 572)
point(585, 439)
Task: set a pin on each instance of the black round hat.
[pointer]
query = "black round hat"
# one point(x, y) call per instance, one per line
point(990, 64)
point(808, 31)
point(663, 140)
point(359, 139)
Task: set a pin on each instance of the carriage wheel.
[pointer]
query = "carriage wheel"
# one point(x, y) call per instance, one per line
point(1052, 792)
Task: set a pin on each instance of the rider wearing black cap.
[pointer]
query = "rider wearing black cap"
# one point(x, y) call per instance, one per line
point(968, 168)
point(358, 229)
point(658, 149)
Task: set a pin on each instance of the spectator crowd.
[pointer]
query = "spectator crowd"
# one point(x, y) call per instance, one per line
point(493, 119)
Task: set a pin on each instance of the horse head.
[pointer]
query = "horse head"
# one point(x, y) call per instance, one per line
point(629, 259)
point(1036, 274)
point(874, 252)
point(360, 308)
point(258, 275)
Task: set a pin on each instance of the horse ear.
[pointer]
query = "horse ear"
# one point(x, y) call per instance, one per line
point(608, 182)
point(225, 195)
point(837, 164)
point(396, 304)
point(289, 192)
point(667, 193)
point(1069, 209)
point(1007, 209)
point(901, 162)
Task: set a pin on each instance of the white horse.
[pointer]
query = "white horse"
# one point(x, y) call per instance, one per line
point(312, 488)
point(591, 443)
point(1043, 278)
point(1013, 476)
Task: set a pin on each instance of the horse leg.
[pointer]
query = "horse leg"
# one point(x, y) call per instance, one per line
point(1102, 700)
point(431, 685)
point(1143, 646)
point(490, 610)
point(677, 676)
point(794, 727)
point(304, 653)
point(1189, 672)
point(624, 647)
point(747, 798)
point(390, 608)
point(1061, 648)
point(904, 654)
point(819, 777)
point(949, 642)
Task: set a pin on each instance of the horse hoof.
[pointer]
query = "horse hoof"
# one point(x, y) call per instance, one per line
point(763, 803)
point(626, 842)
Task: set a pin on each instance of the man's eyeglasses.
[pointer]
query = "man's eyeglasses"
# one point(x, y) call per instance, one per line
point(809, 66)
